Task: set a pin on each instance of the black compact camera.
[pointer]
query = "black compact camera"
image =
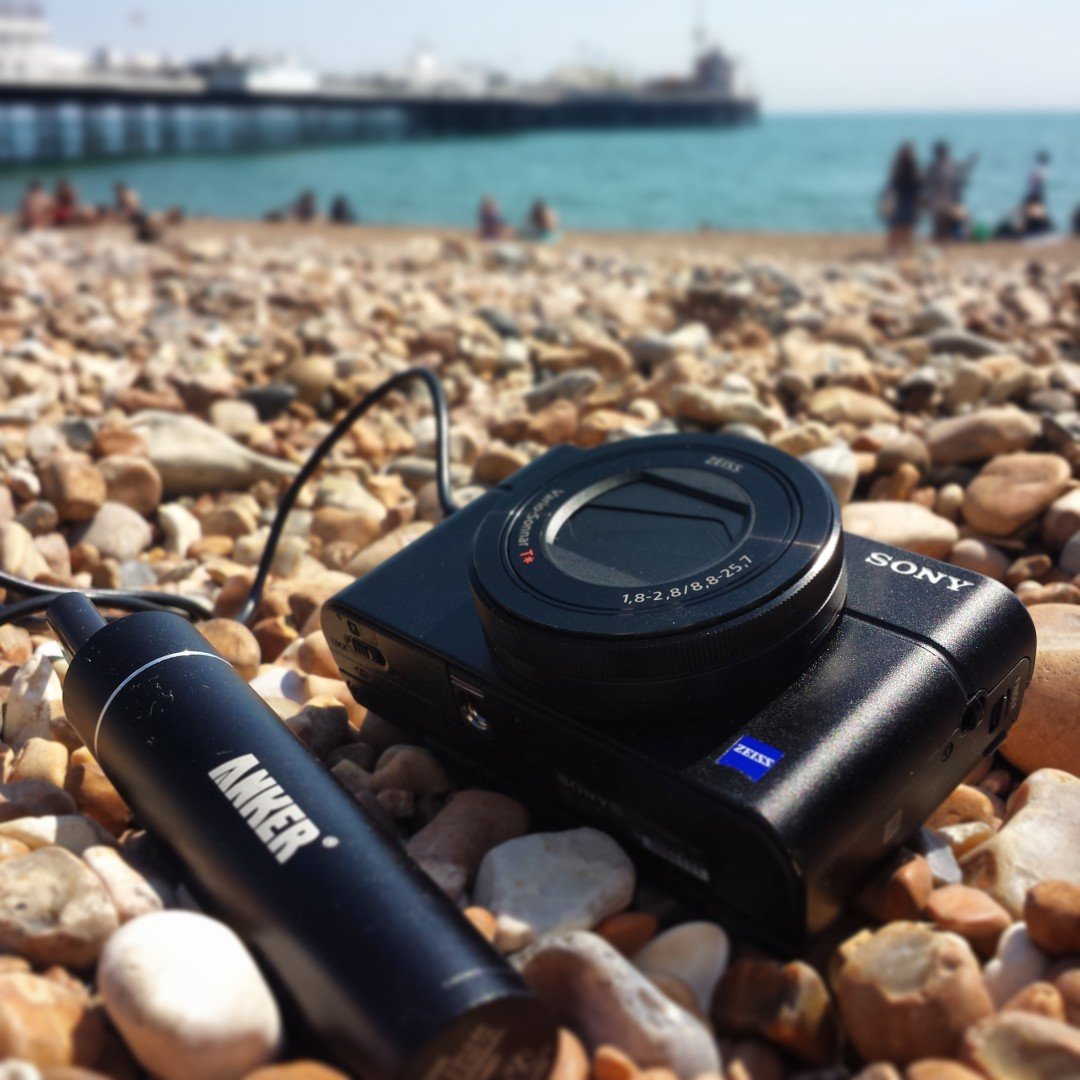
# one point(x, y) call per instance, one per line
point(672, 638)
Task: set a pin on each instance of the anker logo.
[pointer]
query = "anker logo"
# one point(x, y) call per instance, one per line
point(920, 573)
point(273, 816)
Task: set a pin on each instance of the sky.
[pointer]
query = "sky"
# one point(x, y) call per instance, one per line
point(800, 55)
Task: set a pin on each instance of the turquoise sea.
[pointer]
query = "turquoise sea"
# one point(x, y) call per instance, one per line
point(785, 174)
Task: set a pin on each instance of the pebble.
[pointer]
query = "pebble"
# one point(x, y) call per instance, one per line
point(1013, 490)
point(94, 794)
point(903, 524)
point(1040, 841)
point(694, 952)
point(180, 527)
point(980, 435)
point(74, 832)
point(1062, 519)
point(787, 1004)
point(321, 724)
point(837, 467)
point(451, 847)
point(53, 909)
point(900, 890)
point(909, 991)
point(549, 882)
point(192, 457)
point(28, 712)
point(296, 1070)
point(34, 798)
point(132, 481)
point(74, 485)
point(132, 893)
point(1039, 998)
point(42, 760)
point(409, 768)
point(600, 995)
point(963, 804)
point(235, 642)
point(1052, 916)
point(841, 404)
point(187, 998)
point(979, 556)
point(117, 532)
point(976, 917)
point(47, 1023)
point(1018, 1044)
point(627, 931)
point(1047, 731)
point(1017, 963)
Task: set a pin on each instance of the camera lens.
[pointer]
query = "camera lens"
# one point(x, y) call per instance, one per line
point(706, 559)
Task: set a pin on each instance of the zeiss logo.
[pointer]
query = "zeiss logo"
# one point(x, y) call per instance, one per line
point(751, 757)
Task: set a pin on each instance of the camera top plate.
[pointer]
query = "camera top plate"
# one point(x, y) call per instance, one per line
point(682, 553)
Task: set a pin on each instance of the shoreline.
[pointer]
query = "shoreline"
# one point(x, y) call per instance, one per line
point(735, 244)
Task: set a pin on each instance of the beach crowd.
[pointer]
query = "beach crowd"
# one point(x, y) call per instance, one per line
point(938, 193)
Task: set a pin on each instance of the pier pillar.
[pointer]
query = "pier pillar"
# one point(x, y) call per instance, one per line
point(9, 141)
point(170, 128)
point(312, 124)
point(95, 130)
point(205, 128)
point(134, 133)
point(48, 132)
point(245, 128)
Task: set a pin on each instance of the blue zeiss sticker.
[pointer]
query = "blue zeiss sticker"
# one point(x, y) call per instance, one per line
point(751, 757)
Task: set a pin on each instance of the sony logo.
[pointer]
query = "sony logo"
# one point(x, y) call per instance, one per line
point(754, 755)
point(919, 573)
point(272, 815)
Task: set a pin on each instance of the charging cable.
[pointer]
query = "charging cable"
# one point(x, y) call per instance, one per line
point(39, 596)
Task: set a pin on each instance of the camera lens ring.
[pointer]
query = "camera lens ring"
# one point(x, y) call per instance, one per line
point(783, 557)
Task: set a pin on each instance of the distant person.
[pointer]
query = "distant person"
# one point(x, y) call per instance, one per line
point(36, 208)
point(943, 193)
point(1035, 191)
point(341, 211)
point(542, 222)
point(68, 209)
point(305, 208)
point(491, 225)
point(126, 201)
point(901, 201)
point(1076, 221)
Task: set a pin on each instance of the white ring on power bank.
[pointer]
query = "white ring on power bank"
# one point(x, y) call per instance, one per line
point(138, 671)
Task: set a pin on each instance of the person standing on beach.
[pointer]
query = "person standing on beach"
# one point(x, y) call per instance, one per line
point(1035, 192)
point(902, 200)
point(946, 179)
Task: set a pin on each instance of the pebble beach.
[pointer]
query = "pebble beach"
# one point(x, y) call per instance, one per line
point(155, 400)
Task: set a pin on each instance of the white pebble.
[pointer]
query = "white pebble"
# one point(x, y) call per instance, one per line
point(187, 998)
point(695, 952)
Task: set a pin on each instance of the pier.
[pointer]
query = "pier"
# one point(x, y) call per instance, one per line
point(98, 117)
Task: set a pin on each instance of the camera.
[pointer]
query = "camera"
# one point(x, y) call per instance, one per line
point(671, 638)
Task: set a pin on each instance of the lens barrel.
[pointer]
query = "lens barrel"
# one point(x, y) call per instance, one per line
point(705, 561)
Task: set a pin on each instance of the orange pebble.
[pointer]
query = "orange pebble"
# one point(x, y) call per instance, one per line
point(629, 931)
point(483, 920)
point(571, 1061)
point(610, 1063)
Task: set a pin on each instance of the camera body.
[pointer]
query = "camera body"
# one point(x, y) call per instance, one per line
point(672, 639)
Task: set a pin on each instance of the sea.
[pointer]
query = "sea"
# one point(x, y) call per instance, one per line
point(786, 173)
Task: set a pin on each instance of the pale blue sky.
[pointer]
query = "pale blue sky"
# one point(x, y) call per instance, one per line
point(801, 54)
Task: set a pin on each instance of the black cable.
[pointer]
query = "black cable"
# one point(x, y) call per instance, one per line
point(39, 596)
point(34, 605)
point(336, 433)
